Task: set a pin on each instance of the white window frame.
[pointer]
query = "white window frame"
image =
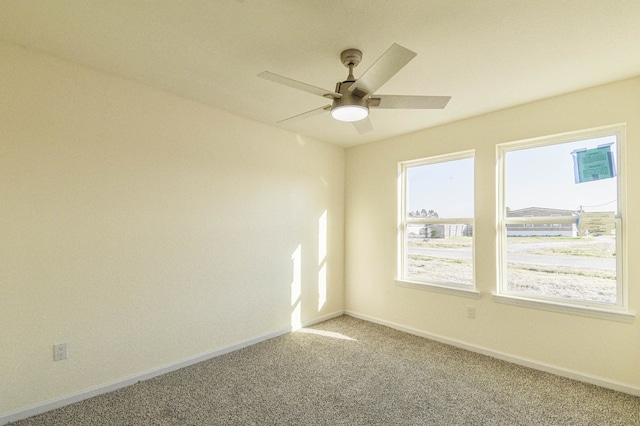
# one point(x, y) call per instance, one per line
point(460, 289)
point(528, 223)
point(618, 311)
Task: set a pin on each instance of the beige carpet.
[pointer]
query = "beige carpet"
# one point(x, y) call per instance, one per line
point(351, 372)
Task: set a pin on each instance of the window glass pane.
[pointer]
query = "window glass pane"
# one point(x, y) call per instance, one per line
point(573, 259)
point(556, 266)
point(441, 189)
point(544, 177)
point(438, 251)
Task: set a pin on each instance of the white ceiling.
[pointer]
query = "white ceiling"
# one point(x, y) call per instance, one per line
point(486, 54)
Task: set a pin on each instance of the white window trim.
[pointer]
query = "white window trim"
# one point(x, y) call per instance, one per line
point(592, 311)
point(446, 288)
point(458, 289)
point(619, 311)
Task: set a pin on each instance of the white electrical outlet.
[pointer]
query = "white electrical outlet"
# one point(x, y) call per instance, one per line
point(59, 351)
point(471, 312)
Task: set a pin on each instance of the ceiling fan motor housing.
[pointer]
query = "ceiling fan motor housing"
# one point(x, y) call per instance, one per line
point(358, 106)
point(348, 98)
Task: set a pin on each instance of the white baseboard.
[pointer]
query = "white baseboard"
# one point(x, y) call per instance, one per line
point(558, 371)
point(34, 410)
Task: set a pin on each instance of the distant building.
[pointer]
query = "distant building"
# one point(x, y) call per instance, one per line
point(542, 229)
point(440, 230)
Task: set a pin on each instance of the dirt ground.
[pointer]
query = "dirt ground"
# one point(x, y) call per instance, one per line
point(585, 283)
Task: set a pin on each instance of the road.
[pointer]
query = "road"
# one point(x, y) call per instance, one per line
point(605, 264)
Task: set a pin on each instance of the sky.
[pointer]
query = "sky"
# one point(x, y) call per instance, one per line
point(544, 177)
point(445, 187)
point(535, 177)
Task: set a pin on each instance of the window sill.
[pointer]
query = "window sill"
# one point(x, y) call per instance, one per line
point(585, 311)
point(455, 291)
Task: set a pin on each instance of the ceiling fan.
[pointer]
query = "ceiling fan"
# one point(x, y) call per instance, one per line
point(353, 97)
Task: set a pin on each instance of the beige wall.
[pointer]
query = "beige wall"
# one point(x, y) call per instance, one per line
point(144, 229)
point(605, 350)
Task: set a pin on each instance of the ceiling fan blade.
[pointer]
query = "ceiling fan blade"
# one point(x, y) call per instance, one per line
point(408, 102)
point(299, 85)
point(385, 67)
point(363, 126)
point(307, 114)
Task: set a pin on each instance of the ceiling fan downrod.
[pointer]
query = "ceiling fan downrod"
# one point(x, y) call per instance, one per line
point(351, 58)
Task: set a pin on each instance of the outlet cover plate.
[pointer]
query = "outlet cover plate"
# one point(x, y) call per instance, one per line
point(59, 351)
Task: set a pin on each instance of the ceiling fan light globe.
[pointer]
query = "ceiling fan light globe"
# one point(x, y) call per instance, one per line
point(350, 112)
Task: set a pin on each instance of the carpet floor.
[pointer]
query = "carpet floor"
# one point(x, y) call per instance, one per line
point(346, 371)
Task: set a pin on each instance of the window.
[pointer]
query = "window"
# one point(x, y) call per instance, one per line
point(436, 221)
point(560, 220)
